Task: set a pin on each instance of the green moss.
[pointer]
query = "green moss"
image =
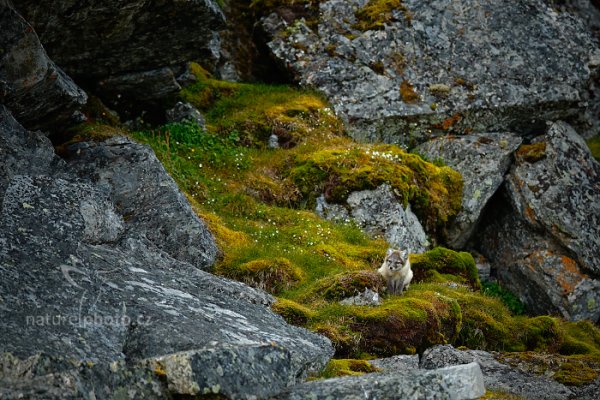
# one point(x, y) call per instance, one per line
point(575, 370)
point(273, 275)
point(594, 145)
point(531, 153)
point(512, 302)
point(346, 367)
point(349, 284)
point(254, 111)
point(434, 192)
point(293, 312)
point(376, 13)
point(441, 260)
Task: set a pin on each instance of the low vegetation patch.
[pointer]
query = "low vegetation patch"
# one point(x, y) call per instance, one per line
point(258, 202)
point(376, 13)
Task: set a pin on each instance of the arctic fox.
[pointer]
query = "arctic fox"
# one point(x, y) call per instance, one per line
point(396, 271)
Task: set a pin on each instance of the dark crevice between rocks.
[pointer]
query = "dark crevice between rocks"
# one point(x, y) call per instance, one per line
point(245, 41)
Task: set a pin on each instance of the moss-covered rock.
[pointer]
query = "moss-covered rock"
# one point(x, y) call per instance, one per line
point(292, 312)
point(255, 111)
point(434, 192)
point(347, 367)
point(272, 274)
point(376, 13)
point(594, 145)
point(440, 264)
point(350, 284)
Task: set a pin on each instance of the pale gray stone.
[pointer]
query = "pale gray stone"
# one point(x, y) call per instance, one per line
point(482, 160)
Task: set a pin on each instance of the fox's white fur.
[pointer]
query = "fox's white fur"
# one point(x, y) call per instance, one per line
point(396, 271)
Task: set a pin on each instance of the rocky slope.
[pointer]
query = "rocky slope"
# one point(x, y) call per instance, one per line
point(115, 256)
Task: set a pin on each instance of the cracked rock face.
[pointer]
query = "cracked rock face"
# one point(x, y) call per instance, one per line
point(482, 161)
point(39, 93)
point(101, 260)
point(416, 76)
point(544, 242)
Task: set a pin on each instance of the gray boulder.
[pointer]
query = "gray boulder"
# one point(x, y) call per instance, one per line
point(544, 237)
point(186, 112)
point(497, 376)
point(38, 93)
point(458, 382)
point(146, 196)
point(380, 214)
point(100, 261)
point(482, 160)
point(126, 47)
point(439, 66)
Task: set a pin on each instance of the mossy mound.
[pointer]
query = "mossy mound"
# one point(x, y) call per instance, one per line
point(402, 324)
point(434, 192)
point(272, 275)
point(254, 112)
point(292, 312)
point(346, 367)
point(442, 264)
point(349, 284)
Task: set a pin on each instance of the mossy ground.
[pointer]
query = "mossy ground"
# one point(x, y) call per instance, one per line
point(594, 145)
point(257, 202)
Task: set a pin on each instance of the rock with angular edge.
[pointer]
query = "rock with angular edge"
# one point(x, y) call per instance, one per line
point(544, 237)
point(182, 112)
point(497, 376)
point(379, 213)
point(147, 197)
point(127, 50)
point(482, 161)
point(458, 382)
point(38, 93)
point(100, 262)
point(416, 75)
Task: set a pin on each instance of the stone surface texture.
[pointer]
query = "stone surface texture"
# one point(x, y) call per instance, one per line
point(482, 160)
point(416, 76)
point(497, 376)
point(457, 382)
point(101, 261)
point(379, 213)
point(544, 237)
point(39, 93)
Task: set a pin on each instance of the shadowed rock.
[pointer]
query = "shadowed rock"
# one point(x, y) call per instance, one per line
point(38, 93)
point(544, 240)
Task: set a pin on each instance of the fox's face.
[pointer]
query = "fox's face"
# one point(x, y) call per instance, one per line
point(396, 259)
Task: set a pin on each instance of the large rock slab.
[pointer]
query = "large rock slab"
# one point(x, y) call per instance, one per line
point(91, 271)
point(458, 382)
point(127, 50)
point(544, 239)
point(380, 214)
point(497, 376)
point(39, 93)
point(439, 66)
point(482, 160)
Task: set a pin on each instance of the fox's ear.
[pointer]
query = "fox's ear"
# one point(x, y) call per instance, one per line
point(389, 252)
